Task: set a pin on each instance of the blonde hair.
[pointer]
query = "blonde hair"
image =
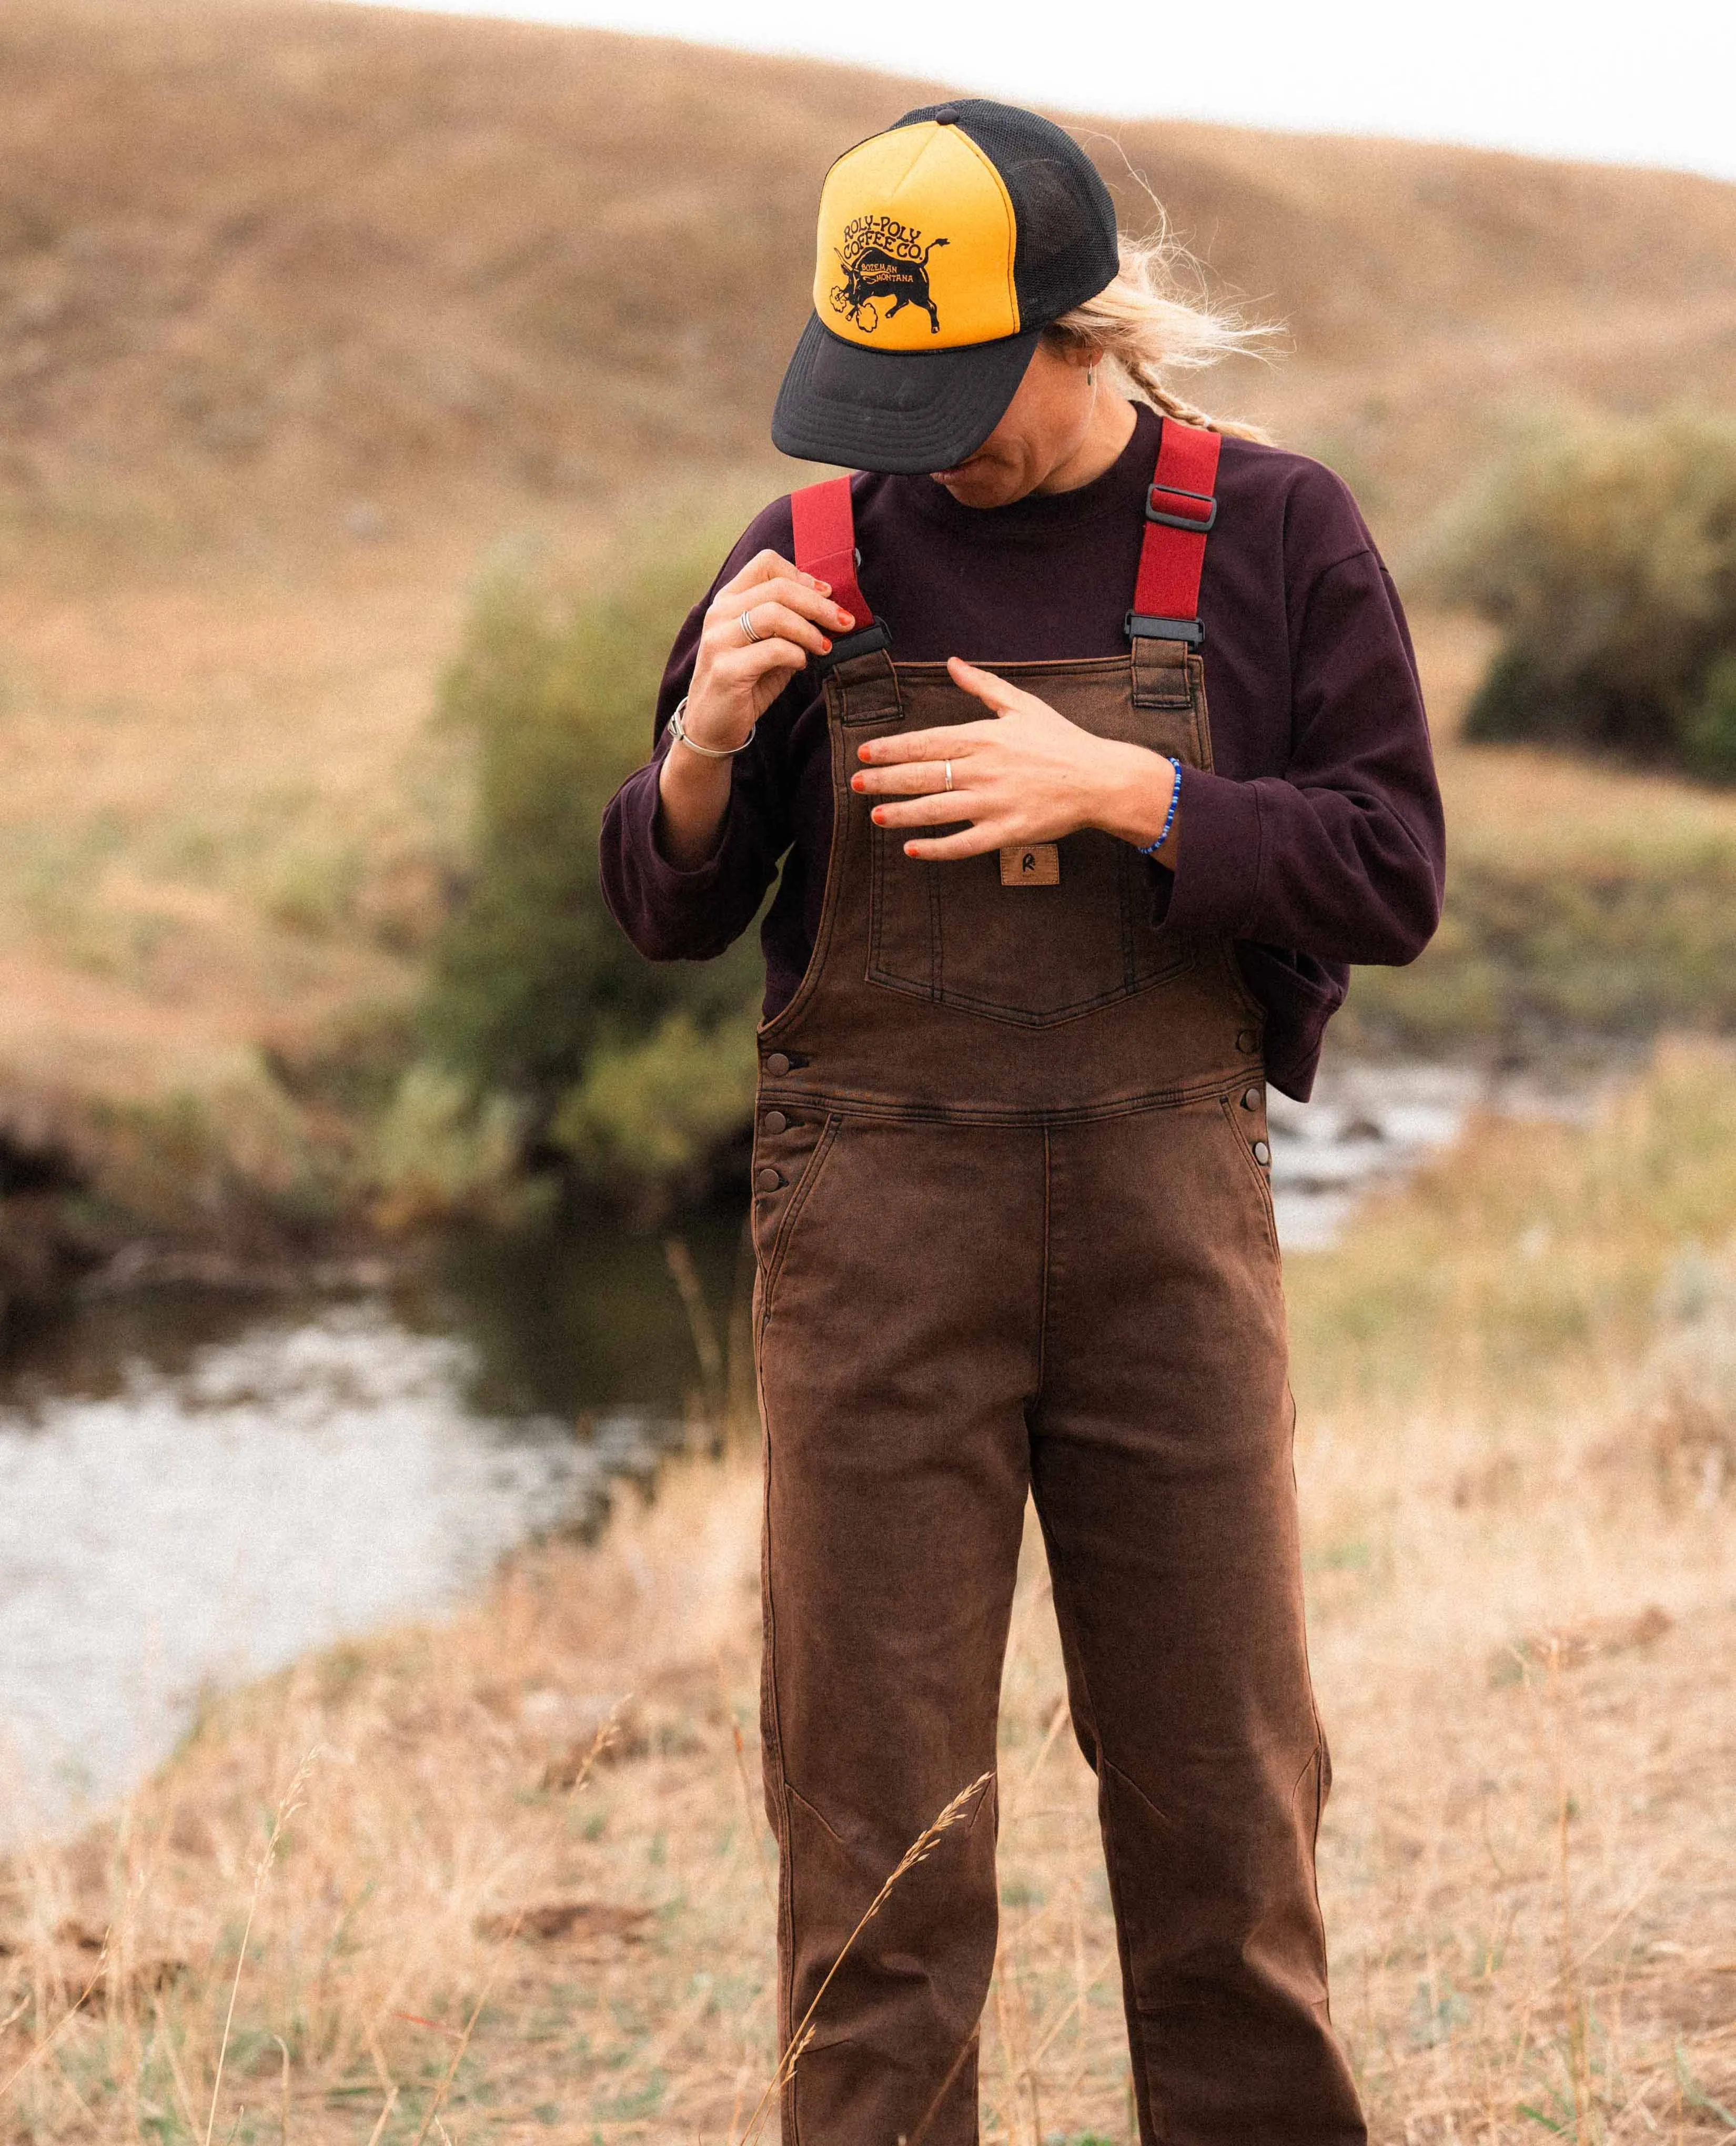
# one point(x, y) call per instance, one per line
point(1142, 326)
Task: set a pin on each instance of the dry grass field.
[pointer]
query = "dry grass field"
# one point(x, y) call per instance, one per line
point(1515, 1460)
point(310, 315)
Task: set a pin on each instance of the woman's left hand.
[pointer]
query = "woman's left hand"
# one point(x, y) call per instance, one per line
point(1028, 775)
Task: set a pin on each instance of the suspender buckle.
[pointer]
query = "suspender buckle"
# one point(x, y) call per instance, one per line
point(1194, 524)
point(877, 634)
point(1140, 626)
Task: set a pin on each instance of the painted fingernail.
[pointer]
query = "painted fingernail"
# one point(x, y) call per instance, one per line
point(845, 620)
point(877, 817)
point(825, 646)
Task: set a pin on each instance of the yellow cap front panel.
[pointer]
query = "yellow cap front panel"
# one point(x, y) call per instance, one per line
point(916, 237)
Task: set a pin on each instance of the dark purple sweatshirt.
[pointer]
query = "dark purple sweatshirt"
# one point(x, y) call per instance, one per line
point(1316, 842)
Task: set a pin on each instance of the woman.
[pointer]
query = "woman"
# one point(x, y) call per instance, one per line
point(1042, 930)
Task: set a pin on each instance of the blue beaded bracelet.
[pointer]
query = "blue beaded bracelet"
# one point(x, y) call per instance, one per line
point(1146, 849)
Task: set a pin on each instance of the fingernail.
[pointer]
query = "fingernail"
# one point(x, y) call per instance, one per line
point(876, 818)
point(824, 587)
point(825, 646)
point(845, 620)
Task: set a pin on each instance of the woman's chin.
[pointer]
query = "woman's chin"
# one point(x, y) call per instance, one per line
point(977, 484)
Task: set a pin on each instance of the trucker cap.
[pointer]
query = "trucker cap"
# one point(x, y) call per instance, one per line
point(947, 244)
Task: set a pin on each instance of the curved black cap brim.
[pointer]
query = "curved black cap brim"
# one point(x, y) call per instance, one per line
point(905, 412)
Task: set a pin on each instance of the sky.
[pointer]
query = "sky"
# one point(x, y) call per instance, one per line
point(1648, 81)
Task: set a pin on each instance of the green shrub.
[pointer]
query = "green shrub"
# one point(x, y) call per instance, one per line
point(1606, 552)
point(649, 1113)
point(633, 1071)
point(441, 1151)
point(1708, 738)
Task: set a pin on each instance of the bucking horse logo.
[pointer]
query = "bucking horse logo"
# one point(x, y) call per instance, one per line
point(885, 267)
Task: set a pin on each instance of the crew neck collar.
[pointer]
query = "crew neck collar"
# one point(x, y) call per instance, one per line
point(1120, 489)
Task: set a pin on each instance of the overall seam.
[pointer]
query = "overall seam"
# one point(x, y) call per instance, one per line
point(1117, 1892)
point(992, 1114)
point(787, 1853)
point(808, 987)
point(1043, 1284)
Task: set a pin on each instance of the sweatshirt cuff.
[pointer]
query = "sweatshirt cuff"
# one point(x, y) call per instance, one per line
point(1216, 871)
point(661, 879)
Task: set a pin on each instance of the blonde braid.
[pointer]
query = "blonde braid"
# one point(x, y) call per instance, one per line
point(1140, 326)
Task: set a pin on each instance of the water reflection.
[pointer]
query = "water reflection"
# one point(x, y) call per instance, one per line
point(195, 1490)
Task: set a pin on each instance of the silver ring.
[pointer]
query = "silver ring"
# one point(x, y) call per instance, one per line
point(948, 774)
point(746, 624)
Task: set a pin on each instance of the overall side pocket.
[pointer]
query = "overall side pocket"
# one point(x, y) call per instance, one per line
point(796, 1157)
point(1248, 1133)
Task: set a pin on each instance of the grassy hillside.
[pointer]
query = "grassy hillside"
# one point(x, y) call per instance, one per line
point(249, 251)
point(311, 315)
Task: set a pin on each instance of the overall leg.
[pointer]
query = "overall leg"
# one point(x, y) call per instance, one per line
point(1162, 1471)
point(900, 1306)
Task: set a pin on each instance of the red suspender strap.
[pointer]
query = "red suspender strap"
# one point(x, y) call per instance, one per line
point(826, 548)
point(1179, 511)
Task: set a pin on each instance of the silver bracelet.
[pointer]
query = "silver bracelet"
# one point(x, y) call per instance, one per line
point(678, 731)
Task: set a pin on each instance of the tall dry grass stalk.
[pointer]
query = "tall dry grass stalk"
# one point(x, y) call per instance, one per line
point(286, 1810)
point(920, 1850)
point(1523, 1600)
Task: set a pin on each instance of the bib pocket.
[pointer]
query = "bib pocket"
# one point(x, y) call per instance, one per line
point(956, 934)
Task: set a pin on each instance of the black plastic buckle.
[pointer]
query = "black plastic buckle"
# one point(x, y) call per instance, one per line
point(1188, 521)
point(1142, 626)
point(877, 634)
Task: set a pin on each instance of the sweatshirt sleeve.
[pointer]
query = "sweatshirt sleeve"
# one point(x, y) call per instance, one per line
point(670, 915)
point(1343, 856)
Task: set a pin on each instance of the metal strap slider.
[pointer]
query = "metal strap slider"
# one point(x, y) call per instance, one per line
point(1196, 523)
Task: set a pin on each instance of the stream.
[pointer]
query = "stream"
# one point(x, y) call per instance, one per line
point(194, 1489)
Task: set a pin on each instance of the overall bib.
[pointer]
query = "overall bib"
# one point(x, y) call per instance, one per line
point(1013, 1234)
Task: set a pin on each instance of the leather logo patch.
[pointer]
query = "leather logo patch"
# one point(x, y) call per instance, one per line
point(1039, 865)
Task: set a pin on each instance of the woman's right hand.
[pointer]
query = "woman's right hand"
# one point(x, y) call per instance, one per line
point(736, 679)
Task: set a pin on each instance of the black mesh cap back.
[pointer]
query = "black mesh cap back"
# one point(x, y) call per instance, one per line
point(1067, 250)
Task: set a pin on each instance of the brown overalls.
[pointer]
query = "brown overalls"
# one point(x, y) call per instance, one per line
point(1015, 1234)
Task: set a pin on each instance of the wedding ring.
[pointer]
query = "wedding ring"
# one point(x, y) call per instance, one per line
point(746, 624)
point(948, 774)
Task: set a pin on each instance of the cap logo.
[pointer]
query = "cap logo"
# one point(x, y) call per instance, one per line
point(884, 264)
point(915, 248)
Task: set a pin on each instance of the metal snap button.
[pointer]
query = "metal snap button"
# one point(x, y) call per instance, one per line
point(1250, 1101)
point(1262, 1153)
point(1247, 1040)
point(775, 1121)
point(777, 1064)
point(766, 1180)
